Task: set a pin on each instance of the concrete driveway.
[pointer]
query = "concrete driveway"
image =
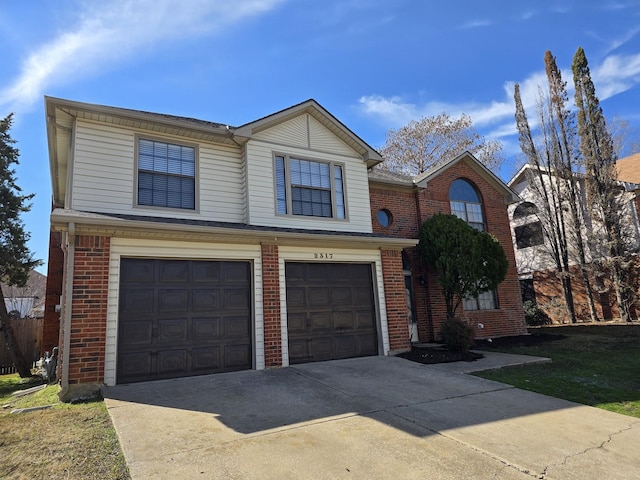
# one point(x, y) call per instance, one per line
point(366, 418)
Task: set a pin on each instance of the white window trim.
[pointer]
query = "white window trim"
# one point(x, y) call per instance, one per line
point(136, 171)
point(287, 173)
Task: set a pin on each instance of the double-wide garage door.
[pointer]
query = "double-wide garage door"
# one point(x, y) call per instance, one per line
point(330, 311)
point(183, 317)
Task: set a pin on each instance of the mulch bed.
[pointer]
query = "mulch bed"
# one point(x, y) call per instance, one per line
point(433, 355)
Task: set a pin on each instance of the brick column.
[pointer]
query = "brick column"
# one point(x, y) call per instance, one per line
point(55, 267)
point(271, 306)
point(394, 293)
point(89, 310)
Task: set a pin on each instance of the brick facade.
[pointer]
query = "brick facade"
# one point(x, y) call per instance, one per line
point(271, 308)
point(89, 310)
point(395, 299)
point(53, 292)
point(409, 208)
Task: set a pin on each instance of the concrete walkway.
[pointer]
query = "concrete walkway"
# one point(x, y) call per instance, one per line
point(366, 418)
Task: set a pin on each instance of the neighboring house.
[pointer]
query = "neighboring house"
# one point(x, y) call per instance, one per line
point(182, 247)
point(466, 188)
point(536, 269)
point(27, 301)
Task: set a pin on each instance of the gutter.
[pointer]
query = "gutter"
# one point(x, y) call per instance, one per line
point(66, 314)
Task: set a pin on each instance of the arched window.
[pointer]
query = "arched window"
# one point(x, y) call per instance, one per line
point(528, 231)
point(466, 203)
point(524, 210)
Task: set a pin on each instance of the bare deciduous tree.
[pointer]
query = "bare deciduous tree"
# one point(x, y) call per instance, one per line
point(431, 141)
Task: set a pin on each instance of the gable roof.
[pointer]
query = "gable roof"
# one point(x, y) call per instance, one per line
point(317, 111)
point(629, 169)
point(509, 195)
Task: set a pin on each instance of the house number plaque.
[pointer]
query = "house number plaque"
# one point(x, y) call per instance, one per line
point(323, 256)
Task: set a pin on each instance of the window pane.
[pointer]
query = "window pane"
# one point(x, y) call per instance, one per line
point(463, 190)
point(166, 174)
point(458, 209)
point(281, 186)
point(474, 212)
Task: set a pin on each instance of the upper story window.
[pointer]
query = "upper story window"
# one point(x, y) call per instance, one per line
point(466, 203)
point(166, 174)
point(529, 232)
point(309, 188)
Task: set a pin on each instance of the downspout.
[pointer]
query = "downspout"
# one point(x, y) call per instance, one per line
point(66, 314)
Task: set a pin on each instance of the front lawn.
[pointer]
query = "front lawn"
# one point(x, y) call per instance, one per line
point(596, 365)
point(66, 441)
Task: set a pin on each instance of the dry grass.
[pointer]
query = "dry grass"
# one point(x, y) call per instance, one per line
point(66, 441)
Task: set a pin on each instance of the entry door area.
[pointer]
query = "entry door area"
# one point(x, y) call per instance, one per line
point(330, 311)
point(183, 317)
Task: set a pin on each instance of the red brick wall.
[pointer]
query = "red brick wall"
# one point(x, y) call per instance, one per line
point(89, 310)
point(55, 268)
point(271, 309)
point(395, 298)
point(508, 319)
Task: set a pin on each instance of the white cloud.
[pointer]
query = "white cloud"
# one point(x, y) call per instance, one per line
point(475, 24)
point(615, 75)
point(107, 33)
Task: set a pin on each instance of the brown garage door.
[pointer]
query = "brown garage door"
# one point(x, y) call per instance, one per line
point(182, 317)
point(330, 311)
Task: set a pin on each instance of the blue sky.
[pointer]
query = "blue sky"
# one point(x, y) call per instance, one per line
point(374, 64)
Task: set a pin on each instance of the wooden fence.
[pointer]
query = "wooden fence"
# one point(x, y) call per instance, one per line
point(29, 336)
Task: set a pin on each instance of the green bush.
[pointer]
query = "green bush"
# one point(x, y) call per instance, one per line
point(457, 335)
point(534, 316)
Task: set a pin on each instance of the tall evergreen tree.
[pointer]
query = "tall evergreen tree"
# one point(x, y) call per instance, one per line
point(568, 169)
point(541, 176)
point(603, 191)
point(15, 258)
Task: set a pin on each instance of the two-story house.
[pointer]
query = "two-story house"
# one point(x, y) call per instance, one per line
point(536, 268)
point(182, 247)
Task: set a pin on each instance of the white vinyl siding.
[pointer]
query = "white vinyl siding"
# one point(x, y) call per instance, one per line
point(122, 247)
point(309, 254)
point(262, 206)
point(104, 176)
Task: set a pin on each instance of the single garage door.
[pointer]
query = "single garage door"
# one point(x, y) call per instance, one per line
point(330, 311)
point(182, 317)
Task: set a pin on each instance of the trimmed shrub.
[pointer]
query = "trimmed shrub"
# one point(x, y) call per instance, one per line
point(457, 335)
point(534, 316)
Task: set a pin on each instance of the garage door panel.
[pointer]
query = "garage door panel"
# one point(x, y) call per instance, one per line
point(341, 296)
point(172, 300)
point(137, 270)
point(172, 362)
point(319, 296)
point(236, 327)
point(174, 271)
point(206, 329)
point(236, 273)
point(320, 321)
point(193, 317)
point(298, 350)
point(134, 365)
point(297, 322)
point(345, 346)
point(205, 359)
point(205, 300)
point(206, 272)
point(136, 333)
point(236, 356)
point(338, 319)
point(296, 297)
point(172, 331)
point(344, 320)
point(321, 348)
point(137, 301)
point(236, 299)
